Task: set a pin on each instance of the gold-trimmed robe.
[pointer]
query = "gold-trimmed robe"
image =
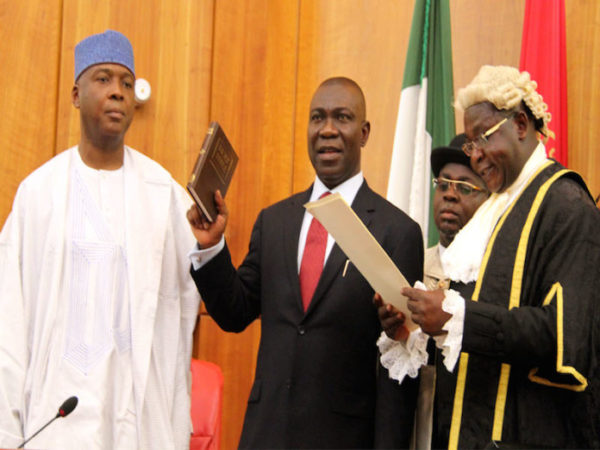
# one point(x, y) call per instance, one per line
point(528, 374)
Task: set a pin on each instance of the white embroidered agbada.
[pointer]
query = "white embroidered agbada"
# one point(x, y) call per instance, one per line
point(91, 310)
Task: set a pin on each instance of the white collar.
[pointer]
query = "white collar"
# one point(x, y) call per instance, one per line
point(88, 169)
point(348, 189)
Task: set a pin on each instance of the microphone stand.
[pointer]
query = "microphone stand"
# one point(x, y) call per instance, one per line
point(38, 431)
point(64, 410)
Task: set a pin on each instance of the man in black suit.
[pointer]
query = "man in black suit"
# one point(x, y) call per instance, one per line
point(318, 383)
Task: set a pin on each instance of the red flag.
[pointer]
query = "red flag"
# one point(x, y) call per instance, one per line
point(543, 55)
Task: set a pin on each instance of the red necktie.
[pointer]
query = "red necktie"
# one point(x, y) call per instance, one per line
point(312, 259)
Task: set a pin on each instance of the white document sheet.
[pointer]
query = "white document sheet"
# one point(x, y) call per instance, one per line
point(363, 250)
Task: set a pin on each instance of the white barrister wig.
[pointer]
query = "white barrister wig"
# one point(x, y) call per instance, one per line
point(505, 87)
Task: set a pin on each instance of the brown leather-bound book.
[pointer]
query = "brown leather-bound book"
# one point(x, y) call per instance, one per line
point(213, 170)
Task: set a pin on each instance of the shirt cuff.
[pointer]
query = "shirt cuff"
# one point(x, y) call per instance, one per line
point(451, 343)
point(200, 257)
point(401, 359)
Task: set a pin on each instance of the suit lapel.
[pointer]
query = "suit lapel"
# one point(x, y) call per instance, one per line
point(363, 206)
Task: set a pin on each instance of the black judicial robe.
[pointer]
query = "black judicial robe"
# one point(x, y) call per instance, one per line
point(528, 374)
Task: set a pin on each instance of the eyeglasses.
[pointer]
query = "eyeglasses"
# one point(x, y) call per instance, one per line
point(462, 187)
point(482, 140)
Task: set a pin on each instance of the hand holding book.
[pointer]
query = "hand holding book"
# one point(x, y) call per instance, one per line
point(207, 233)
point(213, 170)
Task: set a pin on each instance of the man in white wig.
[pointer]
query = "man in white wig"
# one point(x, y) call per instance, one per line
point(96, 298)
point(517, 332)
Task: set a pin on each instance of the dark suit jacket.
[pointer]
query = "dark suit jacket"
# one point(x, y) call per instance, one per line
point(318, 381)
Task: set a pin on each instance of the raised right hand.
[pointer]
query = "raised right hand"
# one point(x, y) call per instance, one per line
point(208, 234)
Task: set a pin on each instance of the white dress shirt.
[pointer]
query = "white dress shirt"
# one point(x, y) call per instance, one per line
point(348, 190)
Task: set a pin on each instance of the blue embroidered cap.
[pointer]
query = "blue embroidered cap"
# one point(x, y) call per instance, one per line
point(108, 47)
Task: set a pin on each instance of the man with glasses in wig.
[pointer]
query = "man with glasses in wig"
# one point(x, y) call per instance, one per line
point(517, 362)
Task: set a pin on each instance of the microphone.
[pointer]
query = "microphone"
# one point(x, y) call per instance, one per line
point(63, 411)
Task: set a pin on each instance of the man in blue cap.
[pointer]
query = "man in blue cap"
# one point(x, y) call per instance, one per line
point(97, 302)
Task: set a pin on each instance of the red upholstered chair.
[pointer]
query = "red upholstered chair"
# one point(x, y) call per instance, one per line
point(207, 395)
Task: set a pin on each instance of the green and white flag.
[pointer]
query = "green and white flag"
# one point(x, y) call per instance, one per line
point(425, 116)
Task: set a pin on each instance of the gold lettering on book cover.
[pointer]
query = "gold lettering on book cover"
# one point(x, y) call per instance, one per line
point(222, 162)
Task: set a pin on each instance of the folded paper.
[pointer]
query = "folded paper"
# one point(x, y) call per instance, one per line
point(363, 250)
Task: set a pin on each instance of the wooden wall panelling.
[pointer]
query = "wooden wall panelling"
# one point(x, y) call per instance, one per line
point(80, 18)
point(172, 44)
point(29, 49)
point(253, 97)
point(365, 41)
point(583, 78)
point(175, 52)
point(253, 89)
point(483, 32)
point(200, 47)
point(255, 69)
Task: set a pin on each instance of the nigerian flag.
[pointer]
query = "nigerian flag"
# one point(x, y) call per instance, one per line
point(425, 115)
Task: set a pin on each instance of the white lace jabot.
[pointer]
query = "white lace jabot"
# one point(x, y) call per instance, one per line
point(461, 262)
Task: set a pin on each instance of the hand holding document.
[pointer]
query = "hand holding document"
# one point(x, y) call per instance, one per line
point(363, 250)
